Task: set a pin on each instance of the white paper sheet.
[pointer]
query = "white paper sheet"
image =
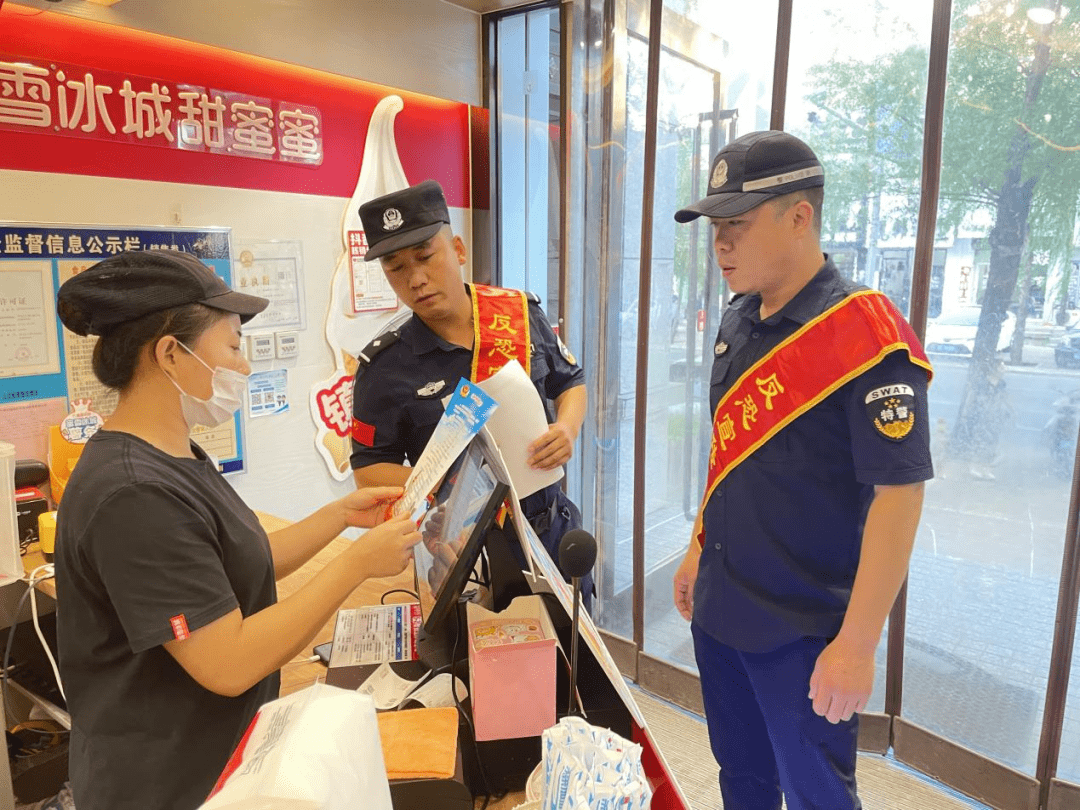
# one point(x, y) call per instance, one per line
point(388, 690)
point(436, 693)
point(518, 421)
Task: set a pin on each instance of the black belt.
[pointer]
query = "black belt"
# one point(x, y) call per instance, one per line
point(542, 521)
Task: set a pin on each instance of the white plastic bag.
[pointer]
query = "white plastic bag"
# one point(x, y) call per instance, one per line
point(586, 767)
point(317, 749)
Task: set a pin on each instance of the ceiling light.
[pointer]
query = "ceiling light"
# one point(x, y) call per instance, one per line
point(1041, 16)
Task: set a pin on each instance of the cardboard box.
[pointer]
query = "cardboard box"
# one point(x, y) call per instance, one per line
point(29, 503)
point(512, 660)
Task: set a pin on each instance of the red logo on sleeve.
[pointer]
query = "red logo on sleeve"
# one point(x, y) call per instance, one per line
point(363, 433)
point(179, 627)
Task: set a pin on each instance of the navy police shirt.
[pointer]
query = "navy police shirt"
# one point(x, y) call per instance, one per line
point(398, 396)
point(783, 530)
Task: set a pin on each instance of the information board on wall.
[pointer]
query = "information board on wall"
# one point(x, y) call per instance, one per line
point(42, 364)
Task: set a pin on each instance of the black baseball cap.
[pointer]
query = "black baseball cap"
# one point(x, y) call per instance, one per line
point(753, 169)
point(403, 218)
point(129, 285)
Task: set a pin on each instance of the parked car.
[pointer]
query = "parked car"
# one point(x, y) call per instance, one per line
point(1067, 351)
point(954, 332)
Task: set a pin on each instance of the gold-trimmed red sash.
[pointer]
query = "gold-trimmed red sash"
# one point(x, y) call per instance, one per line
point(500, 330)
point(829, 351)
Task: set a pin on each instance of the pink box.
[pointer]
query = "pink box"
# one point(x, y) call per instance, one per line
point(512, 669)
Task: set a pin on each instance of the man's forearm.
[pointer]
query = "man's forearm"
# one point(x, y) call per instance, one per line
point(570, 408)
point(888, 538)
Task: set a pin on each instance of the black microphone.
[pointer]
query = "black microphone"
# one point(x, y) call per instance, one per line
point(577, 553)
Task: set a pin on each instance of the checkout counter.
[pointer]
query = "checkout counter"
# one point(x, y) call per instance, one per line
point(506, 764)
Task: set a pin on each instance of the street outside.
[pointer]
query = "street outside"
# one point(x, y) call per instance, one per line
point(984, 575)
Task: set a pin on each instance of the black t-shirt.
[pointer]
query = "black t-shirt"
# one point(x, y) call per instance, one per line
point(150, 547)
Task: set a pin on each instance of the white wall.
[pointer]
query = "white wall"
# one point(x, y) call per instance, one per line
point(426, 46)
point(286, 475)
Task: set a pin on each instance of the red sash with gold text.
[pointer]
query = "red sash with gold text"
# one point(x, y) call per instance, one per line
point(500, 330)
point(829, 351)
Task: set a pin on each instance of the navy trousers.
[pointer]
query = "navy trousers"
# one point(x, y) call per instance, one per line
point(764, 733)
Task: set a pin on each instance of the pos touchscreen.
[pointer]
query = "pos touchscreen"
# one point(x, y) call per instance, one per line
point(453, 528)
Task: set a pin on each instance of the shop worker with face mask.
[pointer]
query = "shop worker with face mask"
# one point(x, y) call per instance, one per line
point(170, 632)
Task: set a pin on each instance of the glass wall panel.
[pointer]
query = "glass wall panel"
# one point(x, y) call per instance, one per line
point(599, 156)
point(526, 82)
point(984, 578)
point(857, 94)
point(1046, 308)
point(715, 83)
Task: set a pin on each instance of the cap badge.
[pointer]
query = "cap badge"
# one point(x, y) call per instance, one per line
point(431, 388)
point(719, 174)
point(720, 348)
point(391, 219)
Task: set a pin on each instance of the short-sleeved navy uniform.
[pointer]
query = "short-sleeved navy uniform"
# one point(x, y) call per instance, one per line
point(399, 395)
point(783, 530)
point(149, 546)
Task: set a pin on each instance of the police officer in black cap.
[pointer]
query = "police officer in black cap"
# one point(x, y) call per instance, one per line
point(819, 453)
point(457, 330)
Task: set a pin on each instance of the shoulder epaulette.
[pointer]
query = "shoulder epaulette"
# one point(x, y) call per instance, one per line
point(379, 344)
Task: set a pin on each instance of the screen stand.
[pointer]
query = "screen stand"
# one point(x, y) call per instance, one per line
point(435, 649)
point(506, 561)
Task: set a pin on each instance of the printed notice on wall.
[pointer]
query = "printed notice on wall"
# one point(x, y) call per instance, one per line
point(220, 443)
point(268, 393)
point(26, 425)
point(41, 360)
point(271, 270)
point(78, 360)
point(28, 344)
point(371, 291)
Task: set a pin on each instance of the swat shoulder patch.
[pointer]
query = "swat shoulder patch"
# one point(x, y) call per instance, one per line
point(891, 410)
point(567, 355)
point(379, 344)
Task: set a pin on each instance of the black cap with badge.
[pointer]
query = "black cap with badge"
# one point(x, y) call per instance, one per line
point(403, 218)
point(129, 285)
point(754, 169)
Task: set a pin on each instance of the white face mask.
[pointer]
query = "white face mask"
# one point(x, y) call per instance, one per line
point(229, 388)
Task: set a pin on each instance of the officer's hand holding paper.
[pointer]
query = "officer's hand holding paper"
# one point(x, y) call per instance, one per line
point(518, 421)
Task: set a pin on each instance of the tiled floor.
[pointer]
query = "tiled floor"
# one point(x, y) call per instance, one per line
point(883, 783)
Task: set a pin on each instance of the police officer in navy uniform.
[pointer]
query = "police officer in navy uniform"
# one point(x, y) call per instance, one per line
point(805, 543)
point(404, 375)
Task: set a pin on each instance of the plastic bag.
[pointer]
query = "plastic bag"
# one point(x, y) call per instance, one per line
point(590, 768)
point(317, 749)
